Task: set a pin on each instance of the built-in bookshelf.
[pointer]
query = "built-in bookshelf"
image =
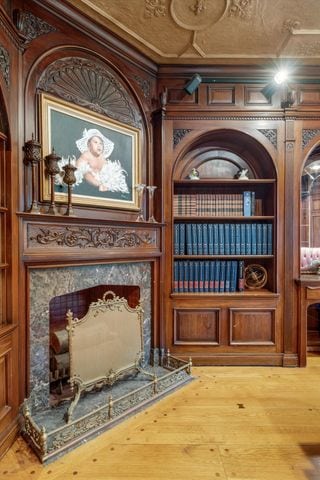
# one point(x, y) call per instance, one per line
point(219, 227)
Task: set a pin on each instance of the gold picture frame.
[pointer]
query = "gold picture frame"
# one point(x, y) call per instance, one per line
point(106, 176)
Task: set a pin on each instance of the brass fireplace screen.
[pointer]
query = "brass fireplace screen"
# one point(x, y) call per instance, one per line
point(104, 345)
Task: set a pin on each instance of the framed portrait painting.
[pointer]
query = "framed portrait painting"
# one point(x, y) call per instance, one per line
point(106, 154)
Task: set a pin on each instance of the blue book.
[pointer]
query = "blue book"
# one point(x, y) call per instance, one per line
point(241, 275)
point(232, 238)
point(182, 239)
point(227, 283)
point(191, 276)
point(247, 204)
point(253, 203)
point(264, 239)
point(221, 238)
point(270, 239)
point(242, 239)
point(234, 276)
point(210, 238)
point(175, 276)
point(238, 239)
point(216, 276)
point(189, 239)
point(181, 273)
point(227, 238)
point(206, 276)
point(215, 239)
point(194, 239)
point(200, 239)
point(253, 239)
point(176, 247)
point(185, 276)
point(248, 238)
point(259, 238)
point(196, 276)
point(211, 276)
point(201, 276)
point(205, 246)
point(222, 279)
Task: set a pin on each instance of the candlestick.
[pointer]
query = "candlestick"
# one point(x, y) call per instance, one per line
point(140, 190)
point(52, 168)
point(32, 156)
point(151, 189)
point(69, 179)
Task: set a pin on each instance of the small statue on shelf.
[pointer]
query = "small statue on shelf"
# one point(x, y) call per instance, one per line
point(194, 174)
point(242, 174)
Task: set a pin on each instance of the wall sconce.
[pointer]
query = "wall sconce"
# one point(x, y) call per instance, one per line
point(193, 84)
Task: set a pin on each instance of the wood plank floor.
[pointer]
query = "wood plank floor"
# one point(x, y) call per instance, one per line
point(231, 423)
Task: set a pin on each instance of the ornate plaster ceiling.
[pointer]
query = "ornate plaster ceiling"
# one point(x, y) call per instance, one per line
point(213, 31)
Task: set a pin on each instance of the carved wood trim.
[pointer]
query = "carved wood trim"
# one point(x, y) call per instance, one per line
point(5, 65)
point(31, 26)
point(308, 134)
point(92, 86)
point(270, 134)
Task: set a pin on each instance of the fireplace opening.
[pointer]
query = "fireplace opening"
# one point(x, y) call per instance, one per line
point(78, 302)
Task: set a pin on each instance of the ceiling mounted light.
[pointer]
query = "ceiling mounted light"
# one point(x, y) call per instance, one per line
point(281, 77)
point(193, 84)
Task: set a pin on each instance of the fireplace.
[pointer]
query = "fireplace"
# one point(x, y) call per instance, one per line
point(52, 291)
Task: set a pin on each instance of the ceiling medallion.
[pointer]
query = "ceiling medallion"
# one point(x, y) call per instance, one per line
point(197, 14)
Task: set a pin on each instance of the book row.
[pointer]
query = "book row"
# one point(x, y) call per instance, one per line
point(216, 276)
point(223, 238)
point(215, 204)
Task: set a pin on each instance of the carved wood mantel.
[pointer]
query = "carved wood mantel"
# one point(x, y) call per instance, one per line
point(80, 239)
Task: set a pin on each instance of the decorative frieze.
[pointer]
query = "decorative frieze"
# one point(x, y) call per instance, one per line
point(270, 134)
point(144, 85)
point(241, 9)
point(92, 86)
point(308, 134)
point(88, 237)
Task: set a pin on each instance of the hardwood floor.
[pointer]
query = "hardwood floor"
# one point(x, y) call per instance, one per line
point(231, 423)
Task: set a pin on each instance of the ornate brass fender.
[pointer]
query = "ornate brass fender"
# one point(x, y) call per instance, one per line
point(103, 345)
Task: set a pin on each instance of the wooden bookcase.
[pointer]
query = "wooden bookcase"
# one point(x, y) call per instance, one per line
point(211, 314)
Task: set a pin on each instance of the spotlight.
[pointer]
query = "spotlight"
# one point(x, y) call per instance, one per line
point(193, 84)
point(281, 77)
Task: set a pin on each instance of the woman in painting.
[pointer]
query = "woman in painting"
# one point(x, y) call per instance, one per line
point(94, 165)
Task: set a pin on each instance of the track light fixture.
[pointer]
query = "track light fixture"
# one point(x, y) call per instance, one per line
point(193, 84)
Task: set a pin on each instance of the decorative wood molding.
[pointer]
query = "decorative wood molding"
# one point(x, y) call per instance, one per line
point(308, 134)
point(270, 134)
point(89, 85)
point(88, 237)
point(8, 29)
point(144, 85)
point(5, 65)
point(155, 8)
point(242, 9)
point(179, 134)
point(31, 26)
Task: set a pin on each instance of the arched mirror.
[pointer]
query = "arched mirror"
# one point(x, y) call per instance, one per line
point(310, 214)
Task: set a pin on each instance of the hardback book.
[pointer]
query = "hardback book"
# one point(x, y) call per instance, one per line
point(191, 276)
point(196, 276)
point(182, 239)
point(227, 282)
point(253, 239)
point(238, 239)
point(247, 212)
point(211, 276)
point(216, 275)
point(259, 238)
point(242, 238)
point(185, 276)
point(194, 239)
point(222, 279)
point(264, 239)
point(189, 243)
point(227, 238)
point(176, 246)
point(200, 238)
point(210, 238)
point(181, 275)
point(232, 238)
point(234, 276)
point(206, 275)
point(241, 275)
point(205, 241)
point(221, 238)
point(270, 239)
point(176, 276)
point(201, 276)
point(248, 238)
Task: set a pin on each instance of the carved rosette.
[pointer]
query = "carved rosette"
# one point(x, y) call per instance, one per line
point(89, 237)
point(89, 85)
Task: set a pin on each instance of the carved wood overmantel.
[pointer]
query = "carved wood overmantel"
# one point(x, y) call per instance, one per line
point(75, 238)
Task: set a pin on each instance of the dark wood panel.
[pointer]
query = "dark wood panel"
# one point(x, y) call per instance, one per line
point(6, 376)
point(196, 326)
point(308, 96)
point(252, 326)
point(221, 95)
point(254, 96)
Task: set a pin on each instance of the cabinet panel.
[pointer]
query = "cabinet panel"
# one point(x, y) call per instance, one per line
point(252, 326)
point(6, 372)
point(201, 326)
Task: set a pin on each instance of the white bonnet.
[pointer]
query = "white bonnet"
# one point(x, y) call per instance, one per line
point(82, 143)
